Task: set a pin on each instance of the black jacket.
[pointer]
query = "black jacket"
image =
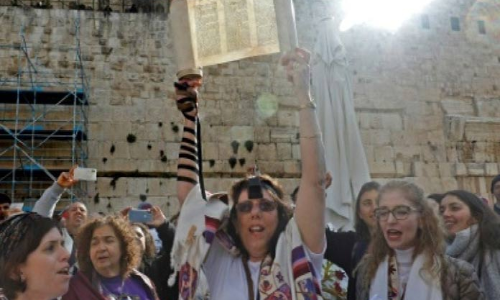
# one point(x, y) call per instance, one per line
point(345, 249)
point(159, 269)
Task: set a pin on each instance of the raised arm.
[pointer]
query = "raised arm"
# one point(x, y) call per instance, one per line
point(46, 205)
point(310, 205)
point(187, 165)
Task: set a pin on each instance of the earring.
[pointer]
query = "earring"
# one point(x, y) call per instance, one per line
point(22, 278)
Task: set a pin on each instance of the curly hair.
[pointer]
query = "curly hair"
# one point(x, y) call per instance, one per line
point(284, 210)
point(128, 245)
point(20, 235)
point(150, 251)
point(362, 229)
point(429, 241)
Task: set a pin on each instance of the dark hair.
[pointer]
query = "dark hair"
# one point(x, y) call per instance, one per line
point(493, 182)
point(20, 236)
point(488, 222)
point(362, 229)
point(150, 251)
point(129, 249)
point(4, 198)
point(284, 211)
point(436, 197)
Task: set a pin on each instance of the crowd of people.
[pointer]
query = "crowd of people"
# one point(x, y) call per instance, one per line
point(250, 243)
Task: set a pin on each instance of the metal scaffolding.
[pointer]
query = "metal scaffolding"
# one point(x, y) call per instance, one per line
point(115, 6)
point(43, 113)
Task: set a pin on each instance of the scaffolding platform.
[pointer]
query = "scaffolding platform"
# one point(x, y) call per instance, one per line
point(43, 134)
point(41, 97)
point(36, 172)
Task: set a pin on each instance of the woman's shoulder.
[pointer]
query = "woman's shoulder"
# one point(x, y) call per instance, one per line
point(79, 279)
point(138, 275)
point(455, 267)
point(2, 296)
point(144, 281)
point(461, 281)
point(80, 287)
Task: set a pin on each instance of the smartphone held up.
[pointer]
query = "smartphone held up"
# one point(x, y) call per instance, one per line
point(85, 174)
point(140, 216)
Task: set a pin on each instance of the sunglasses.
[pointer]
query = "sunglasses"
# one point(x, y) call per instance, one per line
point(265, 205)
point(400, 212)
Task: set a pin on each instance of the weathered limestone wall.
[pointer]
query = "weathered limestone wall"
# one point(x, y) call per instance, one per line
point(146, 6)
point(426, 101)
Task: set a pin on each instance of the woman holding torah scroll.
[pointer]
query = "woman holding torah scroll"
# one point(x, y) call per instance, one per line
point(253, 249)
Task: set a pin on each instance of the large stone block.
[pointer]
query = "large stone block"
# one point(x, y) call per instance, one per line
point(266, 152)
point(461, 170)
point(455, 128)
point(475, 169)
point(482, 130)
point(491, 169)
point(458, 106)
point(242, 133)
point(288, 118)
point(284, 134)
point(284, 151)
point(262, 134)
point(384, 154)
point(292, 168)
point(137, 186)
point(211, 151)
point(382, 169)
point(296, 151)
point(489, 107)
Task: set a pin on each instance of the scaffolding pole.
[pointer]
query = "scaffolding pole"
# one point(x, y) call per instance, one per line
point(43, 115)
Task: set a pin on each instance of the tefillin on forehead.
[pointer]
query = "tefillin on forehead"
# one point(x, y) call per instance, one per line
point(256, 186)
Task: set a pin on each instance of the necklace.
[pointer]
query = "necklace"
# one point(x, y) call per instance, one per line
point(112, 296)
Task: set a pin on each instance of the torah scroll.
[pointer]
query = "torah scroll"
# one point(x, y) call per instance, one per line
point(209, 32)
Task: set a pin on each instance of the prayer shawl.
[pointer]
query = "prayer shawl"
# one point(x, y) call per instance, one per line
point(334, 282)
point(417, 287)
point(200, 222)
point(465, 246)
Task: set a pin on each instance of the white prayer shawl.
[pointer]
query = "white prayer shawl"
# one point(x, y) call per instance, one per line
point(200, 222)
point(344, 153)
point(416, 289)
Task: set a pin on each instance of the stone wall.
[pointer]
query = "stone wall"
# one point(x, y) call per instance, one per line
point(115, 6)
point(426, 101)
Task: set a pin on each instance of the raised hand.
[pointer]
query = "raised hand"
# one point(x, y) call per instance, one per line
point(124, 212)
point(66, 179)
point(186, 91)
point(296, 64)
point(158, 217)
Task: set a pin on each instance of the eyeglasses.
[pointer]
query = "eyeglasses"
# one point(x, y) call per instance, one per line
point(400, 212)
point(5, 206)
point(266, 205)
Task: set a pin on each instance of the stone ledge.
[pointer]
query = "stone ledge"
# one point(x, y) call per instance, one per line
point(465, 128)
